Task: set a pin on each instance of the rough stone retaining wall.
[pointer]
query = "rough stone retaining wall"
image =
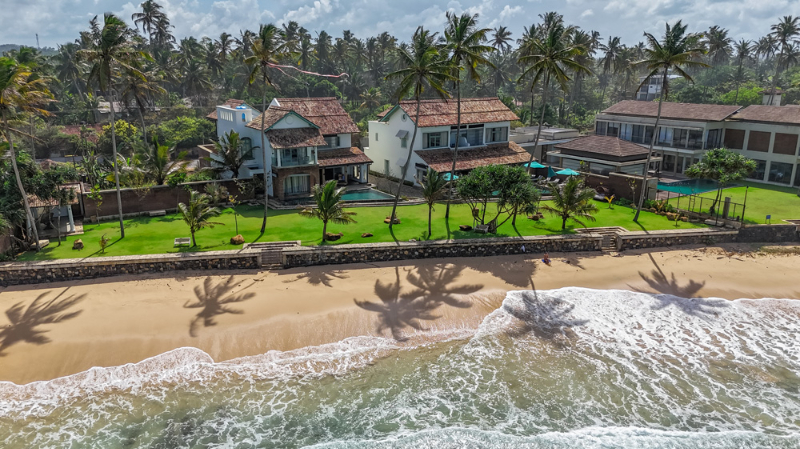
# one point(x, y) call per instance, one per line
point(382, 252)
point(749, 234)
point(72, 269)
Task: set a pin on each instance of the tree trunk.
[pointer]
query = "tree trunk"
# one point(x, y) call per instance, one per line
point(430, 209)
point(267, 173)
point(58, 223)
point(455, 149)
point(738, 81)
point(650, 153)
point(541, 120)
point(405, 167)
point(116, 166)
point(775, 78)
point(530, 120)
point(144, 128)
point(25, 202)
point(563, 223)
point(514, 218)
point(324, 230)
point(193, 241)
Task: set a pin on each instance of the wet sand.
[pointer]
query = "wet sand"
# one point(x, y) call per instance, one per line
point(66, 328)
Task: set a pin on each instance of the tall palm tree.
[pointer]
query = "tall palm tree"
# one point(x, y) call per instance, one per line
point(225, 46)
point(572, 201)
point(149, 17)
point(422, 66)
point(266, 50)
point(464, 42)
point(371, 99)
point(744, 49)
point(111, 51)
point(785, 32)
point(328, 206)
point(718, 47)
point(68, 67)
point(432, 190)
point(550, 58)
point(198, 213)
point(155, 162)
point(142, 90)
point(229, 153)
point(501, 38)
point(610, 61)
point(677, 50)
point(20, 91)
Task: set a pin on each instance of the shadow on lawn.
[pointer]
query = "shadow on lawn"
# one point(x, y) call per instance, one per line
point(24, 322)
point(432, 287)
point(213, 300)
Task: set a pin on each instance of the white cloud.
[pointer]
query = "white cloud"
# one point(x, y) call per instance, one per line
point(587, 13)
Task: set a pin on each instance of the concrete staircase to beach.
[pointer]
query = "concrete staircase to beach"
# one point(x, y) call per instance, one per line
point(271, 252)
point(609, 236)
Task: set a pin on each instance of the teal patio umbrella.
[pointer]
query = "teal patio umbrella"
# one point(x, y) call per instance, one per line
point(550, 172)
point(567, 172)
point(534, 164)
point(447, 177)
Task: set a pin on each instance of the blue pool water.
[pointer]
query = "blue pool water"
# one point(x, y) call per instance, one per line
point(689, 186)
point(366, 195)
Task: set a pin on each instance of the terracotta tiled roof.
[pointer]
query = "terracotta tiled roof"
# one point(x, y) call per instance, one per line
point(231, 103)
point(603, 147)
point(271, 117)
point(441, 160)
point(342, 156)
point(75, 130)
point(674, 111)
point(771, 114)
point(325, 112)
point(444, 112)
point(294, 138)
point(35, 201)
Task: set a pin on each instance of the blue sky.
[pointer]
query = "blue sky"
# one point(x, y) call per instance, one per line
point(59, 21)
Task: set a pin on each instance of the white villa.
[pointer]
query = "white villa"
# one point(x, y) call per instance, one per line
point(484, 137)
point(309, 141)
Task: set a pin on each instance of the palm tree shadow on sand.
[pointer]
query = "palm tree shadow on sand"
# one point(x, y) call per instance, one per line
point(317, 277)
point(213, 300)
point(545, 317)
point(25, 322)
point(432, 288)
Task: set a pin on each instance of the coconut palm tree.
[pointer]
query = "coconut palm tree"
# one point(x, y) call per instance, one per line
point(464, 42)
point(149, 18)
point(432, 190)
point(154, 160)
point(142, 90)
point(610, 61)
point(225, 46)
point(744, 49)
point(198, 213)
point(20, 91)
point(328, 206)
point(550, 58)
point(230, 154)
point(68, 67)
point(112, 50)
point(371, 99)
point(677, 50)
point(266, 50)
point(785, 32)
point(501, 38)
point(571, 201)
point(423, 66)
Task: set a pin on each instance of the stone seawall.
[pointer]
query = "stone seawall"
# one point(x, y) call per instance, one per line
point(17, 273)
point(678, 237)
point(384, 252)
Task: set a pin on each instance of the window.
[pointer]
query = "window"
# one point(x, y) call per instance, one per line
point(665, 136)
point(386, 170)
point(780, 172)
point(679, 165)
point(638, 134)
point(760, 171)
point(648, 134)
point(679, 136)
point(785, 144)
point(625, 131)
point(331, 142)
point(468, 137)
point(246, 147)
point(432, 140)
point(600, 128)
point(296, 184)
point(734, 139)
point(601, 169)
point(668, 163)
point(376, 137)
point(797, 177)
point(613, 129)
point(695, 139)
point(499, 134)
point(404, 142)
point(758, 141)
point(421, 172)
point(712, 141)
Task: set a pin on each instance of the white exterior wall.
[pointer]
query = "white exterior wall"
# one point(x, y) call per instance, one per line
point(229, 119)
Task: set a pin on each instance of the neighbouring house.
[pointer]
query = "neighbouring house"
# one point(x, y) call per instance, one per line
point(483, 137)
point(308, 142)
point(551, 136)
point(650, 86)
point(768, 134)
point(601, 155)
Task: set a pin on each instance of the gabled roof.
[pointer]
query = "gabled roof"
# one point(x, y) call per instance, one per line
point(294, 138)
point(441, 160)
point(273, 115)
point(603, 147)
point(342, 156)
point(769, 114)
point(674, 111)
point(444, 112)
point(231, 103)
point(325, 112)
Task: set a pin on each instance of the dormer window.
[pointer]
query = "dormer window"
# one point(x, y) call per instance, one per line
point(497, 134)
point(331, 142)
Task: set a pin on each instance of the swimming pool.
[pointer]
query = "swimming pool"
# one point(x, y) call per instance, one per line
point(366, 195)
point(690, 186)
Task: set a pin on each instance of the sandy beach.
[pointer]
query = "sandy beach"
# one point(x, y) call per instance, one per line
point(67, 328)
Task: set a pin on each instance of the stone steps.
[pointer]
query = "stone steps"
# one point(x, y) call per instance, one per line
point(609, 234)
point(271, 251)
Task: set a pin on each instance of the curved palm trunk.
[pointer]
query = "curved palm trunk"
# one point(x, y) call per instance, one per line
point(194, 243)
point(650, 153)
point(541, 120)
point(738, 81)
point(455, 149)
point(324, 230)
point(141, 117)
point(405, 167)
point(775, 78)
point(430, 209)
point(267, 174)
point(116, 166)
point(19, 183)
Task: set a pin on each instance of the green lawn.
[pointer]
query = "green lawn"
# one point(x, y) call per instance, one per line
point(762, 200)
point(145, 235)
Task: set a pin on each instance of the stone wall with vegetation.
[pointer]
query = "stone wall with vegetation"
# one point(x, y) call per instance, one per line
point(17, 273)
point(711, 236)
point(383, 252)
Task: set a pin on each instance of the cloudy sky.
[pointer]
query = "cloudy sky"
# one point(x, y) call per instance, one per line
point(59, 21)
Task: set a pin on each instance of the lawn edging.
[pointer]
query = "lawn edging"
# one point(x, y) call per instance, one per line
point(16, 273)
